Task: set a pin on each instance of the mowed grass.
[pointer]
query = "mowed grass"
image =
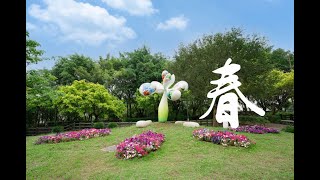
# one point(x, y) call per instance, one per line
point(180, 157)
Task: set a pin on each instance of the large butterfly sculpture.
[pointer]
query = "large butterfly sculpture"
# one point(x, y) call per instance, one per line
point(168, 93)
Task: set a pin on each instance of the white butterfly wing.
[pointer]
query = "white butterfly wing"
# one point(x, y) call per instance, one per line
point(181, 85)
point(158, 87)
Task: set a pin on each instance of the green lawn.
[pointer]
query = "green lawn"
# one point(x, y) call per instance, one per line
point(180, 157)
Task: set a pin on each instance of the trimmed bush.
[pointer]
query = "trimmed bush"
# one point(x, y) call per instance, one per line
point(289, 129)
point(57, 129)
point(273, 118)
point(180, 117)
point(112, 125)
point(98, 125)
point(138, 119)
point(285, 113)
point(253, 119)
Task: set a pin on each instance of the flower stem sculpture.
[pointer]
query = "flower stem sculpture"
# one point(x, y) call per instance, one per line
point(172, 94)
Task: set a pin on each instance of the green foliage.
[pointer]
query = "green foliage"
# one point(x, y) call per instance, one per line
point(40, 88)
point(57, 129)
point(40, 94)
point(252, 119)
point(32, 53)
point(273, 118)
point(289, 128)
point(77, 67)
point(88, 99)
point(98, 125)
point(147, 105)
point(284, 113)
point(178, 117)
point(112, 125)
point(282, 60)
point(135, 119)
point(277, 90)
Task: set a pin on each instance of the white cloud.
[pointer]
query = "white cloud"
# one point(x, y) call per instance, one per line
point(30, 26)
point(82, 22)
point(179, 22)
point(133, 7)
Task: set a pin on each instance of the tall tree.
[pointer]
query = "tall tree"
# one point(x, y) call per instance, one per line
point(33, 55)
point(77, 67)
point(283, 89)
point(282, 60)
point(110, 66)
point(40, 95)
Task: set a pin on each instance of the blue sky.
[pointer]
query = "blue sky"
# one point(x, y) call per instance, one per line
point(97, 27)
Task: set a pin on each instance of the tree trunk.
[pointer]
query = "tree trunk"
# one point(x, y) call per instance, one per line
point(56, 114)
point(127, 109)
point(273, 110)
point(214, 120)
point(37, 117)
point(262, 104)
point(245, 109)
point(130, 110)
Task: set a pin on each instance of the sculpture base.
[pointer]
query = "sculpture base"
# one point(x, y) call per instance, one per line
point(163, 109)
point(162, 120)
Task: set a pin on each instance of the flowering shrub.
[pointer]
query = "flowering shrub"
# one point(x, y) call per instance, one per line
point(73, 136)
point(224, 138)
point(255, 129)
point(139, 145)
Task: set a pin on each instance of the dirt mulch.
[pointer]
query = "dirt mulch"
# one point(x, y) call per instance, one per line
point(110, 148)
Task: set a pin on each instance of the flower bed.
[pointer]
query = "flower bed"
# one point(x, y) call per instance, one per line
point(139, 145)
point(73, 136)
point(224, 138)
point(255, 129)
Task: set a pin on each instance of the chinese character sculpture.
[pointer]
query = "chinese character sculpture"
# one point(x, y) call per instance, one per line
point(172, 94)
point(229, 101)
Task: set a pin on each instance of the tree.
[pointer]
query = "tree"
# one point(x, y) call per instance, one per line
point(284, 89)
point(277, 89)
point(282, 60)
point(32, 53)
point(77, 67)
point(87, 100)
point(40, 94)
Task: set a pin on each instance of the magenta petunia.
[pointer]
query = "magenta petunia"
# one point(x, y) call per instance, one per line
point(139, 145)
point(256, 129)
point(73, 136)
point(224, 138)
